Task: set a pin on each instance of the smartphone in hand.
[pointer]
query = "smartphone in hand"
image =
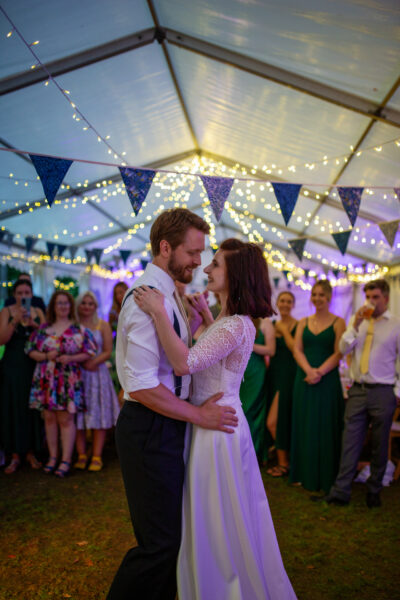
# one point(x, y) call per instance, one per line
point(26, 304)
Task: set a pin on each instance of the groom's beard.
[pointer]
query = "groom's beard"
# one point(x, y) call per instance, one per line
point(178, 272)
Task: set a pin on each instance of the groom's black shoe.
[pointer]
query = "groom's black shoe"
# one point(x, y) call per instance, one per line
point(373, 500)
point(329, 500)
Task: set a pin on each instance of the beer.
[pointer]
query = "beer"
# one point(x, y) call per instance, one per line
point(368, 310)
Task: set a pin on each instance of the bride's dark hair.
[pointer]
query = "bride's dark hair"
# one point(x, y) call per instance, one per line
point(249, 288)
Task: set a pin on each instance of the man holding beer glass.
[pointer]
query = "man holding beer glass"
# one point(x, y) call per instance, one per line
point(373, 338)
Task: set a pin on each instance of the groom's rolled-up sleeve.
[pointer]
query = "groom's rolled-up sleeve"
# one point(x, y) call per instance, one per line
point(140, 368)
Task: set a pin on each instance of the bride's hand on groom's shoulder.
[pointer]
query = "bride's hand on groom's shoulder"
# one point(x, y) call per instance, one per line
point(150, 301)
point(216, 416)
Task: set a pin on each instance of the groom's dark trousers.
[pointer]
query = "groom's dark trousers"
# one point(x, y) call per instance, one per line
point(150, 449)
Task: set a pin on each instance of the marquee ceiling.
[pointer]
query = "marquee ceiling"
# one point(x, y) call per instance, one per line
point(256, 90)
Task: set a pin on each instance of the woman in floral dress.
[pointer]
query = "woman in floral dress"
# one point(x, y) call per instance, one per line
point(58, 347)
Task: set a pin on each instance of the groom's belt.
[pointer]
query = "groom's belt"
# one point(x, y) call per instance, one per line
point(371, 386)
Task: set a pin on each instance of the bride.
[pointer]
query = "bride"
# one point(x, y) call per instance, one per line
point(229, 549)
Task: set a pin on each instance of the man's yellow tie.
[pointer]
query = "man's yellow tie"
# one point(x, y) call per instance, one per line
point(366, 351)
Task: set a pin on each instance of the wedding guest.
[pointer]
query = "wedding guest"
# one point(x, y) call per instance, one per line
point(118, 295)
point(318, 403)
point(59, 347)
point(373, 340)
point(281, 375)
point(20, 428)
point(253, 390)
point(36, 302)
point(102, 406)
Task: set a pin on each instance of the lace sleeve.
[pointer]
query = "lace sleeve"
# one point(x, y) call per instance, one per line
point(216, 344)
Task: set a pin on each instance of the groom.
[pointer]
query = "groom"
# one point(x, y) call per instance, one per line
point(151, 426)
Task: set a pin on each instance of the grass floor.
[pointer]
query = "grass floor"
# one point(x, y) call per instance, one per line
point(66, 538)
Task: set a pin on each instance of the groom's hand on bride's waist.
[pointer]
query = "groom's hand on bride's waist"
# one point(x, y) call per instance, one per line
point(216, 416)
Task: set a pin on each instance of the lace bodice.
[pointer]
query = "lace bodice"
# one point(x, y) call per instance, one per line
point(219, 358)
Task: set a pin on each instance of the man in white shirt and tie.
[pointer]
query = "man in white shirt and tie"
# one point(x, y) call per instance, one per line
point(151, 426)
point(375, 346)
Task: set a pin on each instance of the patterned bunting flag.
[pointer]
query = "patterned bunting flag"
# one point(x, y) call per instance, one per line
point(50, 248)
point(389, 230)
point(342, 239)
point(298, 247)
point(125, 254)
point(286, 194)
point(51, 172)
point(137, 184)
point(61, 248)
point(89, 255)
point(218, 190)
point(29, 243)
point(72, 251)
point(351, 199)
point(97, 252)
point(9, 239)
point(276, 281)
point(397, 192)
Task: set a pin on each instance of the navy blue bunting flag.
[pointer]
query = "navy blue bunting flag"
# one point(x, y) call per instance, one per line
point(306, 273)
point(29, 243)
point(97, 252)
point(9, 239)
point(218, 190)
point(144, 264)
point(2, 234)
point(389, 230)
point(89, 255)
point(286, 195)
point(285, 273)
point(351, 199)
point(125, 254)
point(336, 273)
point(50, 248)
point(137, 184)
point(342, 239)
point(276, 281)
point(72, 251)
point(51, 172)
point(297, 246)
point(61, 248)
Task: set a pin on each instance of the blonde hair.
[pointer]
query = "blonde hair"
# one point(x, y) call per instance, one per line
point(325, 286)
point(91, 295)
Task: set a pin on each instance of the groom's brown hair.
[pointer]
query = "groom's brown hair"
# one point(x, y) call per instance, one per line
point(249, 288)
point(172, 225)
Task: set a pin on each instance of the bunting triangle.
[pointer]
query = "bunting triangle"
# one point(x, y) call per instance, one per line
point(389, 230)
point(9, 239)
point(341, 240)
point(297, 246)
point(125, 254)
point(29, 243)
point(2, 234)
point(285, 273)
point(218, 190)
point(50, 248)
point(72, 251)
point(306, 273)
point(144, 264)
point(97, 252)
point(397, 192)
point(286, 195)
point(61, 248)
point(89, 255)
point(137, 184)
point(336, 273)
point(276, 281)
point(51, 172)
point(351, 199)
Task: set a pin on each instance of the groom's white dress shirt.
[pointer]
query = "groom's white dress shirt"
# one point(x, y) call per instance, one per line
point(141, 360)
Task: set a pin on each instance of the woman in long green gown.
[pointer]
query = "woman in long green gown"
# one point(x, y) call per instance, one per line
point(281, 375)
point(20, 427)
point(253, 390)
point(318, 405)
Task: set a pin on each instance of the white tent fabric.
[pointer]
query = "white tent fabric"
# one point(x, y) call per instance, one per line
point(243, 89)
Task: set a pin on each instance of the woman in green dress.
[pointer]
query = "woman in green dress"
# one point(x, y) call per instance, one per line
point(281, 374)
point(318, 404)
point(253, 391)
point(20, 427)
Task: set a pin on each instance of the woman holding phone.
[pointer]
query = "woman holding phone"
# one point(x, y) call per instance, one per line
point(20, 427)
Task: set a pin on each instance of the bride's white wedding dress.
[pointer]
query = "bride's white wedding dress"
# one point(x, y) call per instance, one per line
point(229, 549)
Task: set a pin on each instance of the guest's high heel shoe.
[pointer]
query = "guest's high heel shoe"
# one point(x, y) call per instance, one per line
point(49, 468)
point(13, 466)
